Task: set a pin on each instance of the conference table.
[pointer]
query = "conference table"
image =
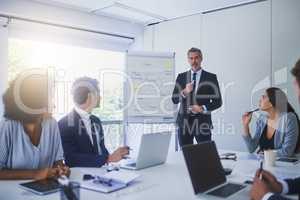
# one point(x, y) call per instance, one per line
point(167, 181)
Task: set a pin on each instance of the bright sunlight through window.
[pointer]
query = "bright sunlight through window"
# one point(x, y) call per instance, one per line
point(68, 63)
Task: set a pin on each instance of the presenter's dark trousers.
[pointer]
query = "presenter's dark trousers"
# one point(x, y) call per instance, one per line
point(191, 128)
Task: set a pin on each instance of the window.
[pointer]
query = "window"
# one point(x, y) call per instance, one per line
point(68, 63)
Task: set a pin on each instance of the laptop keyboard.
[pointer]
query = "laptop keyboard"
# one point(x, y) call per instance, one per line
point(227, 190)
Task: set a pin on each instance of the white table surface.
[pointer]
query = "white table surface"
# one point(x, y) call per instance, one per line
point(168, 181)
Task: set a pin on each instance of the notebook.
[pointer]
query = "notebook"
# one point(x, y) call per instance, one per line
point(110, 182)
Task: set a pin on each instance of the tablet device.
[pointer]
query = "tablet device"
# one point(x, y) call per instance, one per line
point(41, 187)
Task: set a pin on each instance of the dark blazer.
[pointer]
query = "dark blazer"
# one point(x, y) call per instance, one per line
point(207, 94)
point(76, 143)
point(294, 188)
point(294, 185)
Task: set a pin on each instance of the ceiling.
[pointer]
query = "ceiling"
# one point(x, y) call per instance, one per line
point(144, 11)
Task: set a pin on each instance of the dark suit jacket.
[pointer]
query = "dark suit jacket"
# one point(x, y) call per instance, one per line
point(294, 185)
point(76, 143)
point(207, 94)
point(294, 188)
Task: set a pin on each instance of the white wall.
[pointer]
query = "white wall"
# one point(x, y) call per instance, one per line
point(237, 46)
point(285, 44)
point(175, 36)
point(243, 46)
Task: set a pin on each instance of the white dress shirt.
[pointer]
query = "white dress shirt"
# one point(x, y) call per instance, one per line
point(198, 76)
point(85, 116)
point(285, 190)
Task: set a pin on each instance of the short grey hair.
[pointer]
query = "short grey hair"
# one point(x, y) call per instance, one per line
point(195, 50)
point(82, 87)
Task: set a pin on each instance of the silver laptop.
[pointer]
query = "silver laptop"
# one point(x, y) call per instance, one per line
point(207, 173)
point(153, 151)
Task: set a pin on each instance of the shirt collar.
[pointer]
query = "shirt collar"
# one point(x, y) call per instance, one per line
point(82, 113)
point(198, 72)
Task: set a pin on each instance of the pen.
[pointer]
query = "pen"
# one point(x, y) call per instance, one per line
point(103, 181)
point(130, 149)
point(261, 170)
point(98, 179)
point(257, 109)
point(126, 157)
point(64, 181)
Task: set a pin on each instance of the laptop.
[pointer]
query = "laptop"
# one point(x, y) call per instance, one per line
point(153, 151)
point(207, 174)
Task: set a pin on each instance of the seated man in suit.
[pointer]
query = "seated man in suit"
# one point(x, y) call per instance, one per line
point(82, 133)
point(269, 188)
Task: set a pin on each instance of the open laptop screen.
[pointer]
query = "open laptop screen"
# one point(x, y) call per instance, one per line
point(204, 166)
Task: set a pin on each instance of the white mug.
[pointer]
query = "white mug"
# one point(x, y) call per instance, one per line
point(270, 158)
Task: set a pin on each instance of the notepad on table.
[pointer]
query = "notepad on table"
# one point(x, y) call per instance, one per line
point(110, 182)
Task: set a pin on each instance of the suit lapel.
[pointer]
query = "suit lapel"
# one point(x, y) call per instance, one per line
point(187, 77)
point(202, 79)
point(81, 129)
point(98, 129)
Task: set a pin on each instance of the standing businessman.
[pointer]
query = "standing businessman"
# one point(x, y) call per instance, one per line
point(199, 94)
